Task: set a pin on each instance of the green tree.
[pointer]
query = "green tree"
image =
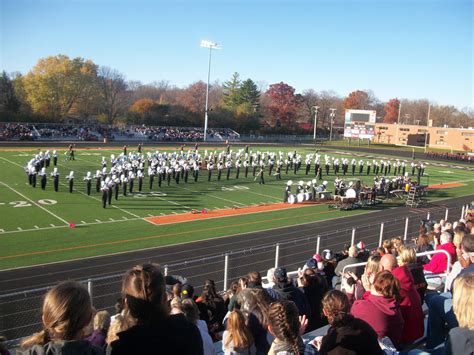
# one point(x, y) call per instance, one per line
point(249, 96)
point(57, 83)
point(231, 98)
point(9, 101)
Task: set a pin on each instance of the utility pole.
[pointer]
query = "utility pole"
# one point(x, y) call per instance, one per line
point(315, 120)
point(332, 115)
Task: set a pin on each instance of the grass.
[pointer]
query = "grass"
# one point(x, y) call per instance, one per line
point(34, 228)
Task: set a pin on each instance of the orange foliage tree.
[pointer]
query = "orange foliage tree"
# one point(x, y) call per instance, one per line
point(358, 100)
point(391, 111)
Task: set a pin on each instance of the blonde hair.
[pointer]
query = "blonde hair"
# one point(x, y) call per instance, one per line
point(458, 237)
point(463, 300)
point(120, 323)
point(102, 320)
point(406, 256)
point(372, 265)
point(284, 322)
point(239, 334)
point(67, 311)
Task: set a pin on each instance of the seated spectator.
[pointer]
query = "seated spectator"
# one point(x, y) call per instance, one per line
point(408, 257)
point(187, 291)
point(191, 312)
point(101, 327)
point(286, 328)
point(121, 322)
point(237, 339)
point(270, 282)
point(215, 307)
point(351, 259)
point(461, 339)
point(254, 305)
point(381, 309)
point(362, 289)
point(397, 243)
point(422, 245)
point(329, 263)
point(363, 253)
point(287, 291)
point(155, 331)
point(66, 312)
point(410, 303)
point(231, 296)
point(463, 260)
point(346, 334)
point(254, 280)
point(314, 287)
point(387, 246)
point(439, 262)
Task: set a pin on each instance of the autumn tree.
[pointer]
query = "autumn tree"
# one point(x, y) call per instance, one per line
point(359, 100)
point(282, 104)
point(391, 111)
point(56, 83)
point(193, 97)
point(113, 92)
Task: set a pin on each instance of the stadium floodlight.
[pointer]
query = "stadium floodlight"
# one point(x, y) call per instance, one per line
point(211, 46)
point(332, 115)
point(316, 108)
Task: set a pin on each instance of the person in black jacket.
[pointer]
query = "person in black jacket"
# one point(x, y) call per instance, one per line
point(156, 331)
point(346, 334)
point(288, 291)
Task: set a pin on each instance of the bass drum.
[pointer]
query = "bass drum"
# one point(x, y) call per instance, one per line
point(292, 199)
point(300, 197)
point(308, 196)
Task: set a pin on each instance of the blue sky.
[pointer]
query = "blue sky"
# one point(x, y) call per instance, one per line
point(405, 49)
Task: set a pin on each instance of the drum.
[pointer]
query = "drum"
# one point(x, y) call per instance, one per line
point(307, 196)
point(351, 193)
point(292, 199)
point(300, 197)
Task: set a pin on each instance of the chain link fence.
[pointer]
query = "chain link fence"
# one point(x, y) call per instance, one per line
point(20, 312)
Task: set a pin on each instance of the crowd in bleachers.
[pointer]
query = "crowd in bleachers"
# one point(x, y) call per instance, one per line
point(451, 156)
point(370, 309)
point(29, 131)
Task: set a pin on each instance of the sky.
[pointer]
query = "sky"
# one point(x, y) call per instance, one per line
point(406, 49)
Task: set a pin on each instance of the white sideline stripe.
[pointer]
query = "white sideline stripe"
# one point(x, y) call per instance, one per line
point(33, 202)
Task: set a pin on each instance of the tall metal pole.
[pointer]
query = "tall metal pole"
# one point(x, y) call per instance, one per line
point(315, 120)
point(427, 125)
point(332, 121)
point(207, 94)
point(398, 121)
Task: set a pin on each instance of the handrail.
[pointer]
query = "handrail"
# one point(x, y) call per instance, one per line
point(448, 266)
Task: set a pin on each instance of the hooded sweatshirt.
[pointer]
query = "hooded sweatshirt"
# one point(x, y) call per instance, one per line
point(410, 305)
point(382, 314)
point(439, 262)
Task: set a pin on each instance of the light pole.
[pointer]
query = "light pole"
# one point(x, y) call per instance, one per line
point(398, 121)
point(315, 120)
point(332, 115)
point(211, 46)
point(427, 125)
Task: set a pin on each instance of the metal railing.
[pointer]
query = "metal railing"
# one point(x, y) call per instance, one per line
point(20, 312)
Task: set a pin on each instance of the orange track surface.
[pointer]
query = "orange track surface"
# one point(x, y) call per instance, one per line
point(187, 217)
point(445, 186)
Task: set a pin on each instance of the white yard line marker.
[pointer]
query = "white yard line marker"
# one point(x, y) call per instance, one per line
point(111, 219)
point(20, 229)
point(33, 202)
point(98, 220)
point(124, 217)
point(83, 222)
point(2, 230)
point(227, 207)
point(36, 227)
point(52, 225)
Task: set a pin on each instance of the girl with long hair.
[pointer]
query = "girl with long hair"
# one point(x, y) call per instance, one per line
point(67, 311)
point(237, 339)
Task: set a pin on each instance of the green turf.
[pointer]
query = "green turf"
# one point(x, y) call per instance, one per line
point(35, 229)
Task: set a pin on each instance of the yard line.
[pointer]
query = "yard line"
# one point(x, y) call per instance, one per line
point(33, 202)
point(174, 212)
point(124, 217)
point(82, 193)
point(83, 222)
point(20, 229)
point(2, 230)
point(98, 220)
point(218, 197)
point(52, 225)
point(36, 227)
point(111, 219)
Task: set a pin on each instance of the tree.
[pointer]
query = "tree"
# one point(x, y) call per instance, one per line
point(282, 105)
point(359, 100)
point(9, 101)
point(193, 97)
point(56, 83)
point(391, 111)
point(231, 98)
point(113, 90)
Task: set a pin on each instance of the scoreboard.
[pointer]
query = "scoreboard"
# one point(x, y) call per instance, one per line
point(359, 124)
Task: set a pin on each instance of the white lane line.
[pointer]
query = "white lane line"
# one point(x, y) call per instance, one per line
point(33, 202)
point(150, 215)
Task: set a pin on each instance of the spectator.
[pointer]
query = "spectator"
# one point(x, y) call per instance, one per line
point(461, 339)
point(118, 308)
point(232, 296)
point(422, 245)
point(463, 260)
point(270, 282)
point(362, 289)
point(237, 339)
point(314, 287)
point(285, 326)
point(143, 289)
point(439, 262)
point(410, 303)
point(381, 309)
point(288, 291)
point(101, 327)
point(255, 307)
point(255, 281)
point(329, 265)
point(121, 322)
point(66, 312)
point(397, 243)
point(191, 312)
point(187, 291)
point(351, 259)
point(408, 258)
point(346, 334)
point(387, 246)
point(215, 307)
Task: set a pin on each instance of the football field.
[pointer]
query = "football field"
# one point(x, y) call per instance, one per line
point(39, 226)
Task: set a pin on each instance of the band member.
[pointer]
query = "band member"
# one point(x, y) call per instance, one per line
point(47, 159)
point(114, 185)
point(353, 166)
point(139, 148)
point(42, 174)
point(220, 166)
point(368, 167)
point(178, 168)
point(124, 181)
point(70, 177)
point(237, 167)
point(210, 167)
point(308, 165)
point(186, 169)
point(124, 150)
point(196, 171)
point(413, 165)
point(288, 164)
point(140, 176)
point(228, 165)
point(361, 166)
point(71, 152)
point(105, 193)
point(131, 179)
point(327, 167)
point(254, 168)
point(88, 180)
point(278, 170)
point(260, 174)
point(404, 168)
point(104, 162)
point(287, 190)
point(55, 176)
point(98, 177)
point(55, 158)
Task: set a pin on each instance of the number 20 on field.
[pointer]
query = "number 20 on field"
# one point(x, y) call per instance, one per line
point(16, 204)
